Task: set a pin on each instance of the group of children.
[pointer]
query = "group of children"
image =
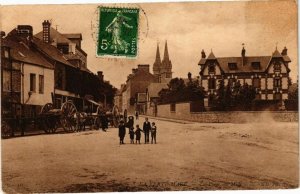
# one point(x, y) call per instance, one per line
point(147, 129)
point(138, 131)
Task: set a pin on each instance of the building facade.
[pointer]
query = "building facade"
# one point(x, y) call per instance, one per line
point(269, 75)
point(28, 78)
point(136, 85)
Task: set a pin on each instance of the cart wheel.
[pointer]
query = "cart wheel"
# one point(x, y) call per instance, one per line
point(6, 130)
point(46, 108)
point(50, 124)
point(68, 119)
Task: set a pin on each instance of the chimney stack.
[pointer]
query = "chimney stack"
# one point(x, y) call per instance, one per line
point(134, 70)
point(46, 31)
point(203, 55)
point(144, 67)
point(2, 34)
point(100, 75)
point(284, 51)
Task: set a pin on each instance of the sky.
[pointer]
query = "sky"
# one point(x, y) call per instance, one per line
point(188, 27)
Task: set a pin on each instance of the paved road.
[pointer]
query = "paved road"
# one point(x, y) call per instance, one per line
point(187, 156)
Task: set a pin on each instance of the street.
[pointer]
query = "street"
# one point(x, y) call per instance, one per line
point(187, 156)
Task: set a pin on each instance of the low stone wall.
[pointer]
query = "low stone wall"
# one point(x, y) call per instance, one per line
point(183, 112)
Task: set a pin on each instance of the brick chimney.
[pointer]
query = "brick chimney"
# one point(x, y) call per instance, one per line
point(46, 31)
point(144, 67)
point(2, 34)
point(100, 75)
point(134, 70)
point(25, 31)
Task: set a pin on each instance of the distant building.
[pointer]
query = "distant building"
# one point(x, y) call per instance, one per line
point(118, 99)
point(268, 74)
point(135, 88)
point(152, 97)
point(162, 70)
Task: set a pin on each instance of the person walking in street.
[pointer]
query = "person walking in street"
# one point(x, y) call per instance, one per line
point(122, 131)
point(131, 134)
point(138, 134)
point(146, 129)
point(104, 121)
point(136, 115)
point(153, 132)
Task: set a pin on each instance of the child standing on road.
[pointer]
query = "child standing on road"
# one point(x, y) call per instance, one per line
point(131, 134)
point(138, 134)
point(153, 133)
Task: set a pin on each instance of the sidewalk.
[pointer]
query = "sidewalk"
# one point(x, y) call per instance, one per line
point(168, 119)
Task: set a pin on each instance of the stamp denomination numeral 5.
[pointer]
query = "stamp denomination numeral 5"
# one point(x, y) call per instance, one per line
point(104, 44)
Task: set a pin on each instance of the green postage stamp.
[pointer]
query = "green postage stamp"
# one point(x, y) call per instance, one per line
point(118, 32)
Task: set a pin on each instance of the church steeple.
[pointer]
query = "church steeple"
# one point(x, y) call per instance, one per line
point(166, 53)
point(166, 67)
point(157, 62)
point(157, 58)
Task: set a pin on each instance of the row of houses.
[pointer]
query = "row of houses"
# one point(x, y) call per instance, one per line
point(48, 67)
point(269, 75)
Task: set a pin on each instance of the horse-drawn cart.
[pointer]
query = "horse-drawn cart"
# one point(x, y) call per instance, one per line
point(66, 117)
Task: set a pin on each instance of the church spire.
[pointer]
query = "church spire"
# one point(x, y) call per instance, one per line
point(166, 53)
point(157, 58)
point(157, 62)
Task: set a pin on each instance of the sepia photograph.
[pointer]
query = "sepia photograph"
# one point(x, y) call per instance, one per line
point(149, 96)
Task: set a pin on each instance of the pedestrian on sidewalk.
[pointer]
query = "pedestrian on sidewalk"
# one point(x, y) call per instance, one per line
point(153, 132)
point(138, 134)
point(131, 134)
point(146, 129)
point(122, 131)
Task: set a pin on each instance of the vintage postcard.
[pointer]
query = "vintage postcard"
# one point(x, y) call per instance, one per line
point(149, 96)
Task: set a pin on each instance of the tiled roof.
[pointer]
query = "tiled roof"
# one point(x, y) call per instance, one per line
point(22, 52)
point(155, 88)
point(246, 65)
point(51, 51)
point(55, 36)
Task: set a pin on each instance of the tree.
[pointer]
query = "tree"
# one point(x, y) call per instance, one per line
point(179, 91)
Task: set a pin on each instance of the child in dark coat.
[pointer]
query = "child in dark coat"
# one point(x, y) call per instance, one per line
point(138, 134)
point(131, 134)
point(153, 132)
point(122, 132)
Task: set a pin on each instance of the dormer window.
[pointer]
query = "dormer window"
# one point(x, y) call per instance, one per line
point(255, 65)
point(232, 66)
point(64, 48)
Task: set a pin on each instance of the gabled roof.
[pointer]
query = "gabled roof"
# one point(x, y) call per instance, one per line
point(20, 51)
point(155, 88)
point(244, 65)
point(276, 54)
point(140, 72)
point(51, 51)
point(211, 56)
point(55, 36)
